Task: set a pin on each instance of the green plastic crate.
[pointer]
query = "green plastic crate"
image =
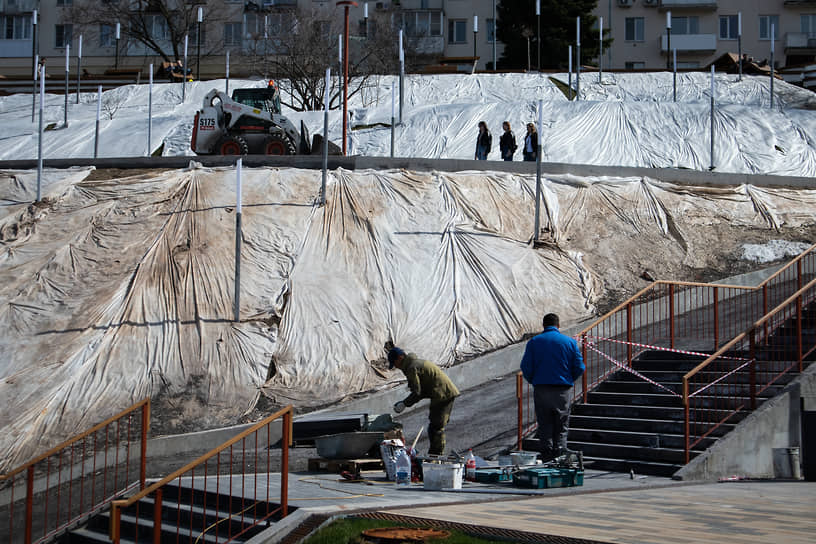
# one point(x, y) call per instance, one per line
point(541, 478)
point(492, 475)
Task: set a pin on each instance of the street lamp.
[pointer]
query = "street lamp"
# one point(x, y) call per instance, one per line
point(198, 44)
point(475, 30)
point(365, 18)
point(346, 5)
point(668, 40)
point(116, 37)
point(739, 42)
point(538, 36)
point(34, 63)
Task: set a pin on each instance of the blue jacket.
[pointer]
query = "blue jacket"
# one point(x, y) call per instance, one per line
point(552, 358)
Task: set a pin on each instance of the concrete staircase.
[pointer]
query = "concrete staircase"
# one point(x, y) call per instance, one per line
point(213, 518)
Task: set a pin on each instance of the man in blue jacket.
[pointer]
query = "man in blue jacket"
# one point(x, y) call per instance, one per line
point(551, 363)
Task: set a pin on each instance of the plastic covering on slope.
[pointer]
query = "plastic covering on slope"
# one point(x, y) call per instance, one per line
point(116, 289)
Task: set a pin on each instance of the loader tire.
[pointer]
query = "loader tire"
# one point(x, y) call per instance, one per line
point(232, 145)
point(278, 144)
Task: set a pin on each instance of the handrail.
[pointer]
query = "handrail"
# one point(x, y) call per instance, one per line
point(157, 488)
point(68, 474)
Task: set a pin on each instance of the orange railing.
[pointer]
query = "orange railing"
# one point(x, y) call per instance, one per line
point(678, 316)
point(239, 503)
point(69, 483)
point(731, 380)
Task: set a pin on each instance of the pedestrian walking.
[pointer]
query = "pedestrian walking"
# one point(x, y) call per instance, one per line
point(426, 381)
point(530, 151)
point(507, 142)
point(484, 141)
point(551, 363)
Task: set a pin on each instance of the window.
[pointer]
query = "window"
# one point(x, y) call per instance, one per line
point(808, 24)
point(15, 27)
point(105, 35)
point(634, 29)
point(63, 3)
point(423, 23)
point(729, 27)
point(456, 30)
point(62, 35)
point(491, 30)
point(688, 65)
point(685, 25)
point(232, 33)
point(157, 27)
point(765, 22)
point(635, 65)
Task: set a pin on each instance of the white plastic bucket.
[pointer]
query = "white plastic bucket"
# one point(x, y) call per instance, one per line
point(437, 476)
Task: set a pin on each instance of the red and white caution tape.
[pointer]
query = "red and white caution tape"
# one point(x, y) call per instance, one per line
point(661, 348)
point(620, 365)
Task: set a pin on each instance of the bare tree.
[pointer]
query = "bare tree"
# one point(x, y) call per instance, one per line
point(157, 26)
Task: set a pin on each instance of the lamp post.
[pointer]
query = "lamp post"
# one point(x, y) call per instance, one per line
point(538, 34)
point(739, 42)
point(116, 37)
point(494, 35)
point(401, 75)
point(67, 68)
point(600, 50)
point(668, 40)
point(365, 18)
point(198, 43)
point(475, 30)
point(34, 63)
point(346, 5)
point(773, 38)
point(79, 67)
point(577, 58)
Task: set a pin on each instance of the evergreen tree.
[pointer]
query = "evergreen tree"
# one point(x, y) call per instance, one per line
point(517, 24)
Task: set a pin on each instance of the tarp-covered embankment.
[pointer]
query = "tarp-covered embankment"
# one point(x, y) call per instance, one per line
point(116, 289)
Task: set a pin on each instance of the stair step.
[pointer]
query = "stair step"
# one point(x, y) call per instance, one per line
point(635, 453)
point(639, 467)
point(634, 399)
point(87, 536)
point(641, 439)
point(632, 412)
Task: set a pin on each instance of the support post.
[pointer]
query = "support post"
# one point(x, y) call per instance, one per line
point(538, 175)
point(569, 81)
point(739, 42)
point(237, 299)
point(401, 75)
point(35, 62)
point(116, 62)
point(674, 75)
point(475, 30)
point(67, 69)
point(538, 36)
point(98, 113)
point(577, 58)
point(393, 119)
point(40, 132)
point(325, 136)
point(668, 38)
point(184, 71)
point(198, 43)
point(79, 68)
point(226, 89)
point(346, 5)
point(495, 27)
point(711, 166)
point(600, 50)
point(773, 39)
point(150, 112)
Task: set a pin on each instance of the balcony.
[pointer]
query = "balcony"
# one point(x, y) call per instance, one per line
point(688, 4)
point(11, 7)
point(15, 48)
point(690, 42)
point(800, 43)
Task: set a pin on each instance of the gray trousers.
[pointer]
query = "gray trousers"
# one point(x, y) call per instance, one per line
point(552, 405)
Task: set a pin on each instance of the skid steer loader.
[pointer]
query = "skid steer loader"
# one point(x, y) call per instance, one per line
point(249, 122)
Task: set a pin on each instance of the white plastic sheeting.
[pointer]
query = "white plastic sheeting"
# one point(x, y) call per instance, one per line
point(112, 290)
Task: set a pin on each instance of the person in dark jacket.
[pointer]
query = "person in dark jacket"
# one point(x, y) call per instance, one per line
point(507, 143)
point(484, 141)
point(551, 363)
point(530, 149)
point(426, 381)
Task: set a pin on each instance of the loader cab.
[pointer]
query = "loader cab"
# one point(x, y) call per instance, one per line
point(264, 99)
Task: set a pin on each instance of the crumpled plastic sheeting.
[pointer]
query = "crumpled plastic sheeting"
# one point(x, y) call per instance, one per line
point(123, 288)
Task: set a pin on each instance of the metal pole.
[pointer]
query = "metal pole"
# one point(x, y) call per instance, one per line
point(578, 58)
point(772, 64)
point(401, 75)
point(39, 141)
point(79, 67)
point(184, 72)
point(475, 30)
point(494, 36)
point(98, 112)
point(198, 43)
point(237, 301)
point(668, 38)
point(150, 112)
point(739, 42)
point(35, 62)
point(393, 106)
point(674, 76)
point(538, 174)
point(711, 167)
point(345, 76)
point(600, 50)
point(325, 136)
point(569, 81)
point(226, 90)
point(365, 18)
point(538, 34)
point(67, 68)
point(116, 62)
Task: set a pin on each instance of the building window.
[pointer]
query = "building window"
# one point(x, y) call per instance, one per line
point(688, 65)
point(423, 23)
point(63, 3)
point(765, 22)
point(157, 27)
point(105, 35)
point(232, 33)
point(15, 27)
point(62, 35)
point(634, 29)
point(635, 65)
point(729, 27)
point(808, 24)
point(685, 25)
point(456, 30)
point(491, 30)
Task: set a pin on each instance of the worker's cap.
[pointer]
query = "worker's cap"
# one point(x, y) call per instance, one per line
point(393, 355)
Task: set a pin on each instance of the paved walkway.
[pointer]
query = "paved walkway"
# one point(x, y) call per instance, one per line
point(725, 513)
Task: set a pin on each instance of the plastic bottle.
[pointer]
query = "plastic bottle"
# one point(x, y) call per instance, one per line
point(470, 466)
point(403, 473)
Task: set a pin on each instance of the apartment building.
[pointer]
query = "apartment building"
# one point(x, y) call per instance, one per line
point(646, 32)
point(432, 28)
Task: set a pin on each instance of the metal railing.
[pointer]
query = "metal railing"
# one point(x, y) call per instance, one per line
point(677, 316)
point(223, 474)
point(735, 376)
point(69, 483)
